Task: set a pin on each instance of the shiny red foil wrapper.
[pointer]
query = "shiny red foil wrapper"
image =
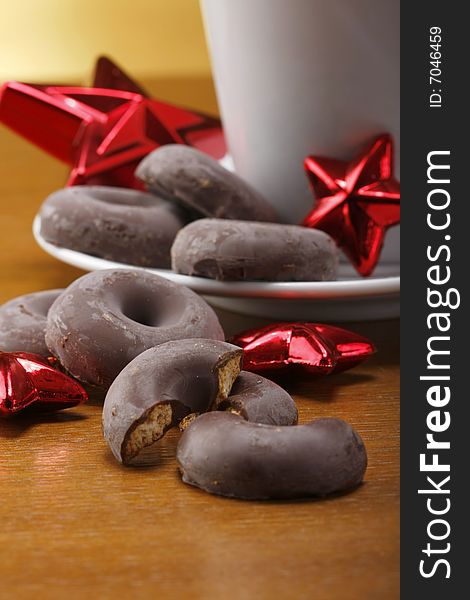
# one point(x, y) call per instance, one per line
point(29, 381)
point(104, 131)
point(356, 202)
point(313, 347)
point(196, 129)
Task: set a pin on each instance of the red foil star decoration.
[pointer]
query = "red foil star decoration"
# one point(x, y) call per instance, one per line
point(110, 75)
point(29, 381)
point(356, 202)
point(195, 128)
point(315, 348)
point(102, 132)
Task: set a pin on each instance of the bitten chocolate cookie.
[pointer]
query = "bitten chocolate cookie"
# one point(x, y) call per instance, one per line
point(198, 181)
point(161, 387)
point(222, 453)
point(260, 400)
point(245, 251)
point(117, 224)
point(105, 319)
point(23, 323)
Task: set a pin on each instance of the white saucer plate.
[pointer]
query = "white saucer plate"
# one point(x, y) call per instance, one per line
point(350, 298)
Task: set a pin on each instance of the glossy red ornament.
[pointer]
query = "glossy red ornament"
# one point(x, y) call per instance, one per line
point(195, 128)
point(103, 132)
point(316, 348)
point(109, 75)
point(356, 202)
point(28, 380)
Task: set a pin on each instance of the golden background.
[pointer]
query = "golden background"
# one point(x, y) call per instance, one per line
point(58, 40)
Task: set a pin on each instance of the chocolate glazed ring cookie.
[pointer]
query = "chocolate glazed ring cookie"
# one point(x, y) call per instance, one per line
point(117, 224)
point(23, 323)
point(260, 400)
point(199, 182)
point(105, 319)
point(223, 454)
point(161, 387)
point(243, 251)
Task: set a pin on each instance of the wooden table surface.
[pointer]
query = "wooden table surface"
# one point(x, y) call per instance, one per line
point(75, 524)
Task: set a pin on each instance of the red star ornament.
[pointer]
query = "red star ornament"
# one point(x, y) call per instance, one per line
point(29, 381)
point(313, 347)
point(195, 128)
point(103, 133)
point(356, 202)
point(109, 75)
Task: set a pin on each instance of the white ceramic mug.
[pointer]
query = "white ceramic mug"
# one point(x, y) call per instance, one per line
point(298, 77)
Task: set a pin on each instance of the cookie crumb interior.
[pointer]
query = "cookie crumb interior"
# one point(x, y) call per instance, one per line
point(227, 375)
point(151, 429)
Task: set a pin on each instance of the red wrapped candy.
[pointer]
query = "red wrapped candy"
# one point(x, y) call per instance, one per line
point(315, 348)
point(28, 380)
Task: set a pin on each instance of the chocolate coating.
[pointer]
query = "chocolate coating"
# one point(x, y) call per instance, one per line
point(105, 319)
point(223, 454)
point(260, 400)
point(117, 224)
point(23, 322)
point(162, 386)
point(199, 182)
point(239, 250)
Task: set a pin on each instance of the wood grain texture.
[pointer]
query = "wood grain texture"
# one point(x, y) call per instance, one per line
point(75, 524)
